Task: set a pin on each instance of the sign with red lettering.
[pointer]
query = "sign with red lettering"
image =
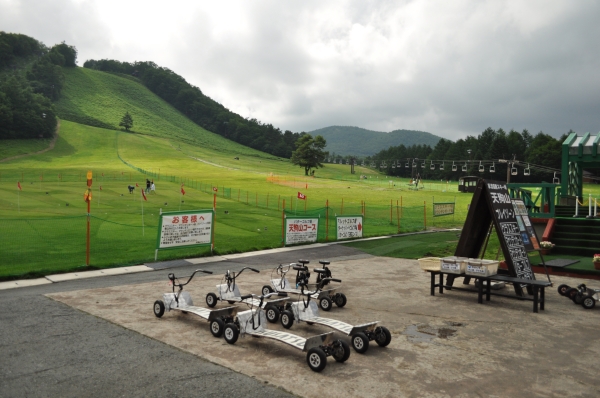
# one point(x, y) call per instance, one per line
point(185, 228)
point(301, 230)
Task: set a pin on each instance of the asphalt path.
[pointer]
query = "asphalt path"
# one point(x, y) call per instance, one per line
point(48, 349)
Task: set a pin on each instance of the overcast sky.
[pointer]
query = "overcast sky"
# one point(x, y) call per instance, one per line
point(451, 68)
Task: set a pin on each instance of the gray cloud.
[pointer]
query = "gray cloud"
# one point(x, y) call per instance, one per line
point(450, 68)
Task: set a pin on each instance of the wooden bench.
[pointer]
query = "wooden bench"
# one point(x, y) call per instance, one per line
point(484, 286)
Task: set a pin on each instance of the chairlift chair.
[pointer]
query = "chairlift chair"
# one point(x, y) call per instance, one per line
point(406, 164)
point(442, 166)
point(481, 167)
point(362, 163)
point(527, 171)
point(513, 171)
point(423, 165)
point(432, 166)
point(464, 168)
point(555, 180)
point(493, 168)
point(414, 164)
point(454, 167)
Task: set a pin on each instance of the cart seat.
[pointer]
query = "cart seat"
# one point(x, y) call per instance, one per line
point(299, 267)
point(323, 262)
point(303, 262)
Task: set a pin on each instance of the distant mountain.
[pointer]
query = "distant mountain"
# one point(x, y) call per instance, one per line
point(346, 140)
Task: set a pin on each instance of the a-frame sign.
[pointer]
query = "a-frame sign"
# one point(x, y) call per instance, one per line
point(492, 203)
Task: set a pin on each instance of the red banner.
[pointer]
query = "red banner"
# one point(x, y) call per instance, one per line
point(182, 190)
point(143, 194)
point(215, 189)
point(19, 185)
point(301, 196)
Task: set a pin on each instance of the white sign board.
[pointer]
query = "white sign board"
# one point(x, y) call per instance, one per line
point(301, 230)
point(185, 229)
point(349, 227)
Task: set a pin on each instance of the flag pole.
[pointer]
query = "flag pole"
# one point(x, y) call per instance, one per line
point(142, 203)
point(19, 200)
point(180, 197)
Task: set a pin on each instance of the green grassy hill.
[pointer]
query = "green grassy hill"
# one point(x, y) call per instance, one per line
point(101, 99)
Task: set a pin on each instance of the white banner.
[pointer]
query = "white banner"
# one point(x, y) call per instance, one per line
point(183, 229)
point(349, 227)
point(301, 230)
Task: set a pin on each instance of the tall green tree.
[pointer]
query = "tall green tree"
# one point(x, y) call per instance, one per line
point(310, 152)
point(126, 121)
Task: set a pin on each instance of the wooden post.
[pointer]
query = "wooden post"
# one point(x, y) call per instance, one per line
point(391, 209)
point(397, 216)
point(342, 210)
point(326, 220)
point(212, 241)
point(283, 224)
point(425, 214)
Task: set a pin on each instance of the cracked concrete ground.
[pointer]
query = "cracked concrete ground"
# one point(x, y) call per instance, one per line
point(442, 346)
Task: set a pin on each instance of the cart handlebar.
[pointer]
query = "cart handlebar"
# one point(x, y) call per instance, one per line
point(173, 278)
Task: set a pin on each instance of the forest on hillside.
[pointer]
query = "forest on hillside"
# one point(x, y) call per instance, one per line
point(542, 154)
point(31, 78)
point(201, 109)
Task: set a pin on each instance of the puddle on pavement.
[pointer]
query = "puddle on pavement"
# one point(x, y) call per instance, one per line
point(426, 333)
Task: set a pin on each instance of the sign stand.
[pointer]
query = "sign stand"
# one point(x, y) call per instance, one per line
point(492, 206)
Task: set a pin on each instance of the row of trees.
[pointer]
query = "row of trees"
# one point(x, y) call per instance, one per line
point(490, 146)
point(201, 109)
point(31, 79)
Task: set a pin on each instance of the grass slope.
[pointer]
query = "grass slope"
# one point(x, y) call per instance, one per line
point(101, 99)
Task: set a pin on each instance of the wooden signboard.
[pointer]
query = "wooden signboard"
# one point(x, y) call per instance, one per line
point(492, 204)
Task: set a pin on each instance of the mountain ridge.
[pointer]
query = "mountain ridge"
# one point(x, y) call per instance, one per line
point(357, 141)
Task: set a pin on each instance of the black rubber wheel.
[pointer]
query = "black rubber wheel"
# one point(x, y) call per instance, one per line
point(231, 333)
point(211, 299)
point(341, 351)
point(159, 308)
point(216, 327)
point(562, 289)
point(316, 359)
point(287, 319)
point(272, 314)
point(231, 302)
point(588, 302)
point(571, 293)
point(340, 300)
point(383, 337)
point(578, 299)
point(266, 289)
point(360, 342)
point(325, 303)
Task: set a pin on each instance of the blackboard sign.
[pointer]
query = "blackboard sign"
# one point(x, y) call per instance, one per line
point(513, 238)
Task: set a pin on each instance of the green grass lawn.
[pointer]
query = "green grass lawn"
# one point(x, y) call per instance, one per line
point(442, 244)
point(44, 224)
